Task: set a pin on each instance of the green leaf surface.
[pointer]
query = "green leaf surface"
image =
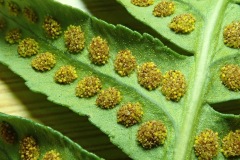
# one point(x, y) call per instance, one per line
point(46, 138)
point(184, 119)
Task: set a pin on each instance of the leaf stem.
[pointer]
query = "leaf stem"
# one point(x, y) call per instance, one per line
point(195, 101)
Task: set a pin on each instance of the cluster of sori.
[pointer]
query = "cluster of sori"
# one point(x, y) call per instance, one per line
point(183, 23)
point(207, 144)
point(172, 84)
point(151, 133)
point(28, 145)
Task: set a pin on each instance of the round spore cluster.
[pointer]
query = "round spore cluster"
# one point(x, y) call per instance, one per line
point(8, 133)
point(152, 134)
point(30, 14)
point(149, 76)
point(130, 114)
point(183, 23)
point(52, 155)
point(51, 27)
point(99, 51)
point(230, 76)
point(44, 61)
point(28, 47)
point(231, 35)
point(109, 98)
point(173, 85)
point(13, 36)
point(29, 149)
point(88, 87)
point(125, 63)
point(142, 3)
point(206, 144)
point(66, 74)
point(74, 39)
point(231, 144)
point(164, 9)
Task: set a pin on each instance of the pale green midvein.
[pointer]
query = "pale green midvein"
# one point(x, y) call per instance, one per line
point(204, 54)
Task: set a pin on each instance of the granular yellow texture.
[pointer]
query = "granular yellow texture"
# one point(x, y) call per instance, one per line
point(44, 61)
point(99, 51)
point(66, 74)
point(51, 27)
point(14, 8)
point(29, 149)
point(164, 9)
point(108, 98)
point(8, 133)
point(88, 87)
point(52, 155)
point(152, 134)
point(125, 63)
point(173, 85)
point(149, 76)
point(13, 36)
point(28, 47)
point(184, 23)
point(142, 3)
point(30, 14)
point(206, 145)
point(74, 39)
point(231, 144)
point(230, 76)
point(130, 114)
point(231, 35)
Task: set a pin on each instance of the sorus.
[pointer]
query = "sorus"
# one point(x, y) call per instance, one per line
point(66, 74)
point(108, 98)
point(183, 23)
point(28, 47)
point(152, 134)
point(124, 63)
point(29, 149)
point(149, 76)
point(99, 51)
point(206, 144)
point(74, 39)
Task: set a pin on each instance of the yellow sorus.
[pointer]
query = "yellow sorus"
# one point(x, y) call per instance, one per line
point(51, 27)
point(28, 47)
point(88, 87)
point(66, 74)
point(124, 63)
point(152, 134)
point(231, 144)
point(99, 51)
point(142, 3)
point(74, 39)
point(44, 61)
point(231, 35)
point(149, 76)
point(164, 9)
point(29, 149)
point(130, 114)
point(206, 144)
point(230, 76)
point(13, 36)
point(173, 85)
point(184, 23)
point(108, 98)
point(52, 155)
